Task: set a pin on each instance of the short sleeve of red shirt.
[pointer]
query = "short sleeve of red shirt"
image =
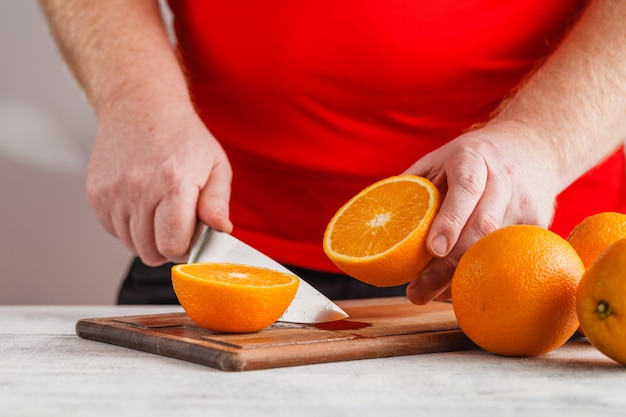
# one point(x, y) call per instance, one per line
point(314, 100)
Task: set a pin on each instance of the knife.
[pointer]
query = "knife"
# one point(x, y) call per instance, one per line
point(308, 306)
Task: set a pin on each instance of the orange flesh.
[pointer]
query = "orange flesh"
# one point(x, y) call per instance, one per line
point(390, 219)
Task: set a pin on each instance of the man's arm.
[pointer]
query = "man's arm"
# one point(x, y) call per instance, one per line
point(154, 167)
point(116, 46)
point(568, 116)
point(575, 104)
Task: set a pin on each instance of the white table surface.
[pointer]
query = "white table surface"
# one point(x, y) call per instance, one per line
point(46, 370)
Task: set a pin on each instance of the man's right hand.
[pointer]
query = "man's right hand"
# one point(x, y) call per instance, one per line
point(152, 174)
point(155, 169)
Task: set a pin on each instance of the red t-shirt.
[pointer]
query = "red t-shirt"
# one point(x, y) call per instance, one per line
point(315, 100)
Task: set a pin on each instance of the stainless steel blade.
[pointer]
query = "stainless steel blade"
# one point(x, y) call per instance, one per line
point(308, 306)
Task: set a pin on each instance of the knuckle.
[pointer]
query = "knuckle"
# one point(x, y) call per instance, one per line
point(138, 182)
point(94, 190)
point(135, 184)
point(170, 174)
point(535, 212)
point(445, 266)
point(449, 263)
point(453, 220)
point(469, 183)
point(470, 168)
point(484, 224)
point(101, 195)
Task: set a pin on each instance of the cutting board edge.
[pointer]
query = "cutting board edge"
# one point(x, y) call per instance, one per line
point(363, 348)
point(234, 359)
point(151, 342)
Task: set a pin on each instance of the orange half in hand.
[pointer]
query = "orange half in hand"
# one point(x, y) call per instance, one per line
point(232, 298)
point(379, 236)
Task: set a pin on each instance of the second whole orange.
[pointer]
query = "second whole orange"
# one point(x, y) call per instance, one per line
point(514, 291)
point(601, 302)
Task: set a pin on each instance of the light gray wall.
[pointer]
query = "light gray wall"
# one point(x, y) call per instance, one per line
point(52, 250)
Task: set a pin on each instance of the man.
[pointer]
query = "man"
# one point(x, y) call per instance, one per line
point(506, 106)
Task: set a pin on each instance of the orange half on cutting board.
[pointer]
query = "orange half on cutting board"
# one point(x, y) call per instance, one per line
point(232, 298)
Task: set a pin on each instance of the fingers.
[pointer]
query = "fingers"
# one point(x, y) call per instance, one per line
point(110, 213)
point(446, 295)
point(467, 179)
point(490, 212)
point(176, 216)
point(141, 228)
point(174, 221)
point(164, 233)
point(437, 275)
point(158, 223)
point(120, 229)
point(432, 281)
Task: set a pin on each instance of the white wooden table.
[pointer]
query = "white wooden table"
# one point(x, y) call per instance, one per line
point(46, 370)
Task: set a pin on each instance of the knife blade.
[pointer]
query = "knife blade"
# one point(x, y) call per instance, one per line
point(308, 306)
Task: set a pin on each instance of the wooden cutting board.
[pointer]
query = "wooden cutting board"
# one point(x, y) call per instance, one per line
point(378, 327)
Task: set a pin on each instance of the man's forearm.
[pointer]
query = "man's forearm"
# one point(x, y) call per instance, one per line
point(575, 104)
point(116, 48)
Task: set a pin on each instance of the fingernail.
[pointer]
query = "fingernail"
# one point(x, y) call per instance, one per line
point(439, 246)
point(227, 225)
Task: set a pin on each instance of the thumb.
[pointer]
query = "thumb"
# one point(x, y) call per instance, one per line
point(214, 199)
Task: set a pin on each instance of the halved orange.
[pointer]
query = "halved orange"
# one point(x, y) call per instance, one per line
point(379, 236)
point(232, 298)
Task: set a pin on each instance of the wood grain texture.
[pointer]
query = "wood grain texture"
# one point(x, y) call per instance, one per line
point(376, 328)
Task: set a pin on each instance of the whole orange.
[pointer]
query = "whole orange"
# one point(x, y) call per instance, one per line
point(232, 298)
point(596, 233)
point(601, 302)
point(514, 291)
